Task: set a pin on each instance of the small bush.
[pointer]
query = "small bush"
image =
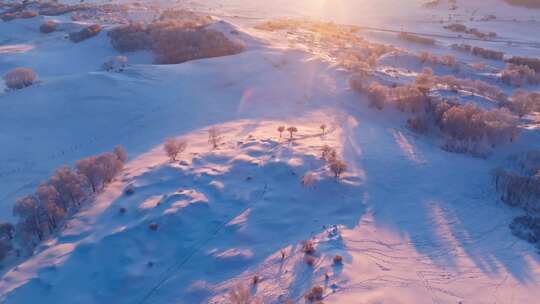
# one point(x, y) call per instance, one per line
point(308, 247)
point(85, 33)
point(337, 260)
point(309, 260)
point(488, 54)
point(153, 226)
point(28, 14)
point(240, 294)
point(338, 167)
point(48, 26)
point(315, 294)
point(527, 228)
point(19, 78)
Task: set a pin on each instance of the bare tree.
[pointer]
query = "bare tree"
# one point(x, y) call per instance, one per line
point(214, 137)
point(291, 131)
point(120, 153)
point(173, 147)
point(281, 129)
point(323, 128)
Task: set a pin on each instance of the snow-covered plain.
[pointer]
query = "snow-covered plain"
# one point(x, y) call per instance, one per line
point(413, 223)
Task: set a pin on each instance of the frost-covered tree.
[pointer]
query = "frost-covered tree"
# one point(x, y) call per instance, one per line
point(90, 169)
point(69, 185)
point(121, 153)
point(32, 222)
point(19, 78)
point(173, 147)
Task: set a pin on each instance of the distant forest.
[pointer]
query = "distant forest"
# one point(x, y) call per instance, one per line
point(527, 3)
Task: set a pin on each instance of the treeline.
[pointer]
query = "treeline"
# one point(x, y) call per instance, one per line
point(41, 213)
point(478, 51)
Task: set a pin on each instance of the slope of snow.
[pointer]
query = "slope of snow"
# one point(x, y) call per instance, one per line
point(414, 224)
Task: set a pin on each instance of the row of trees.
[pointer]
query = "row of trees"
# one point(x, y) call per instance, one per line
point(478, 51)
point(41, 213)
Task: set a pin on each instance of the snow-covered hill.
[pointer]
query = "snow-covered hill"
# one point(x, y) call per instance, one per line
point(411, 222)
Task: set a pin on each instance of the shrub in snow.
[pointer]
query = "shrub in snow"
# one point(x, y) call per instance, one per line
point(308, 247)
point(416, 39)
point(519, 75)
point(173, 147)
point(8, 16)
point(309, 179)
point(309, 260)
point(131, 37)
point(291, 131)
point(85, 33)
point(153, 226)
point(115, 64)
point(48, 26)
point(338, 167)
point(337, 260)
point(240, 294)
point(315, 294)
point(28, 14)
point(19, 78)
point(122, 210)
point(129, 190)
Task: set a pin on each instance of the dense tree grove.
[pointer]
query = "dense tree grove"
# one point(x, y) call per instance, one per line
point(41, 213)
point(174, 40)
